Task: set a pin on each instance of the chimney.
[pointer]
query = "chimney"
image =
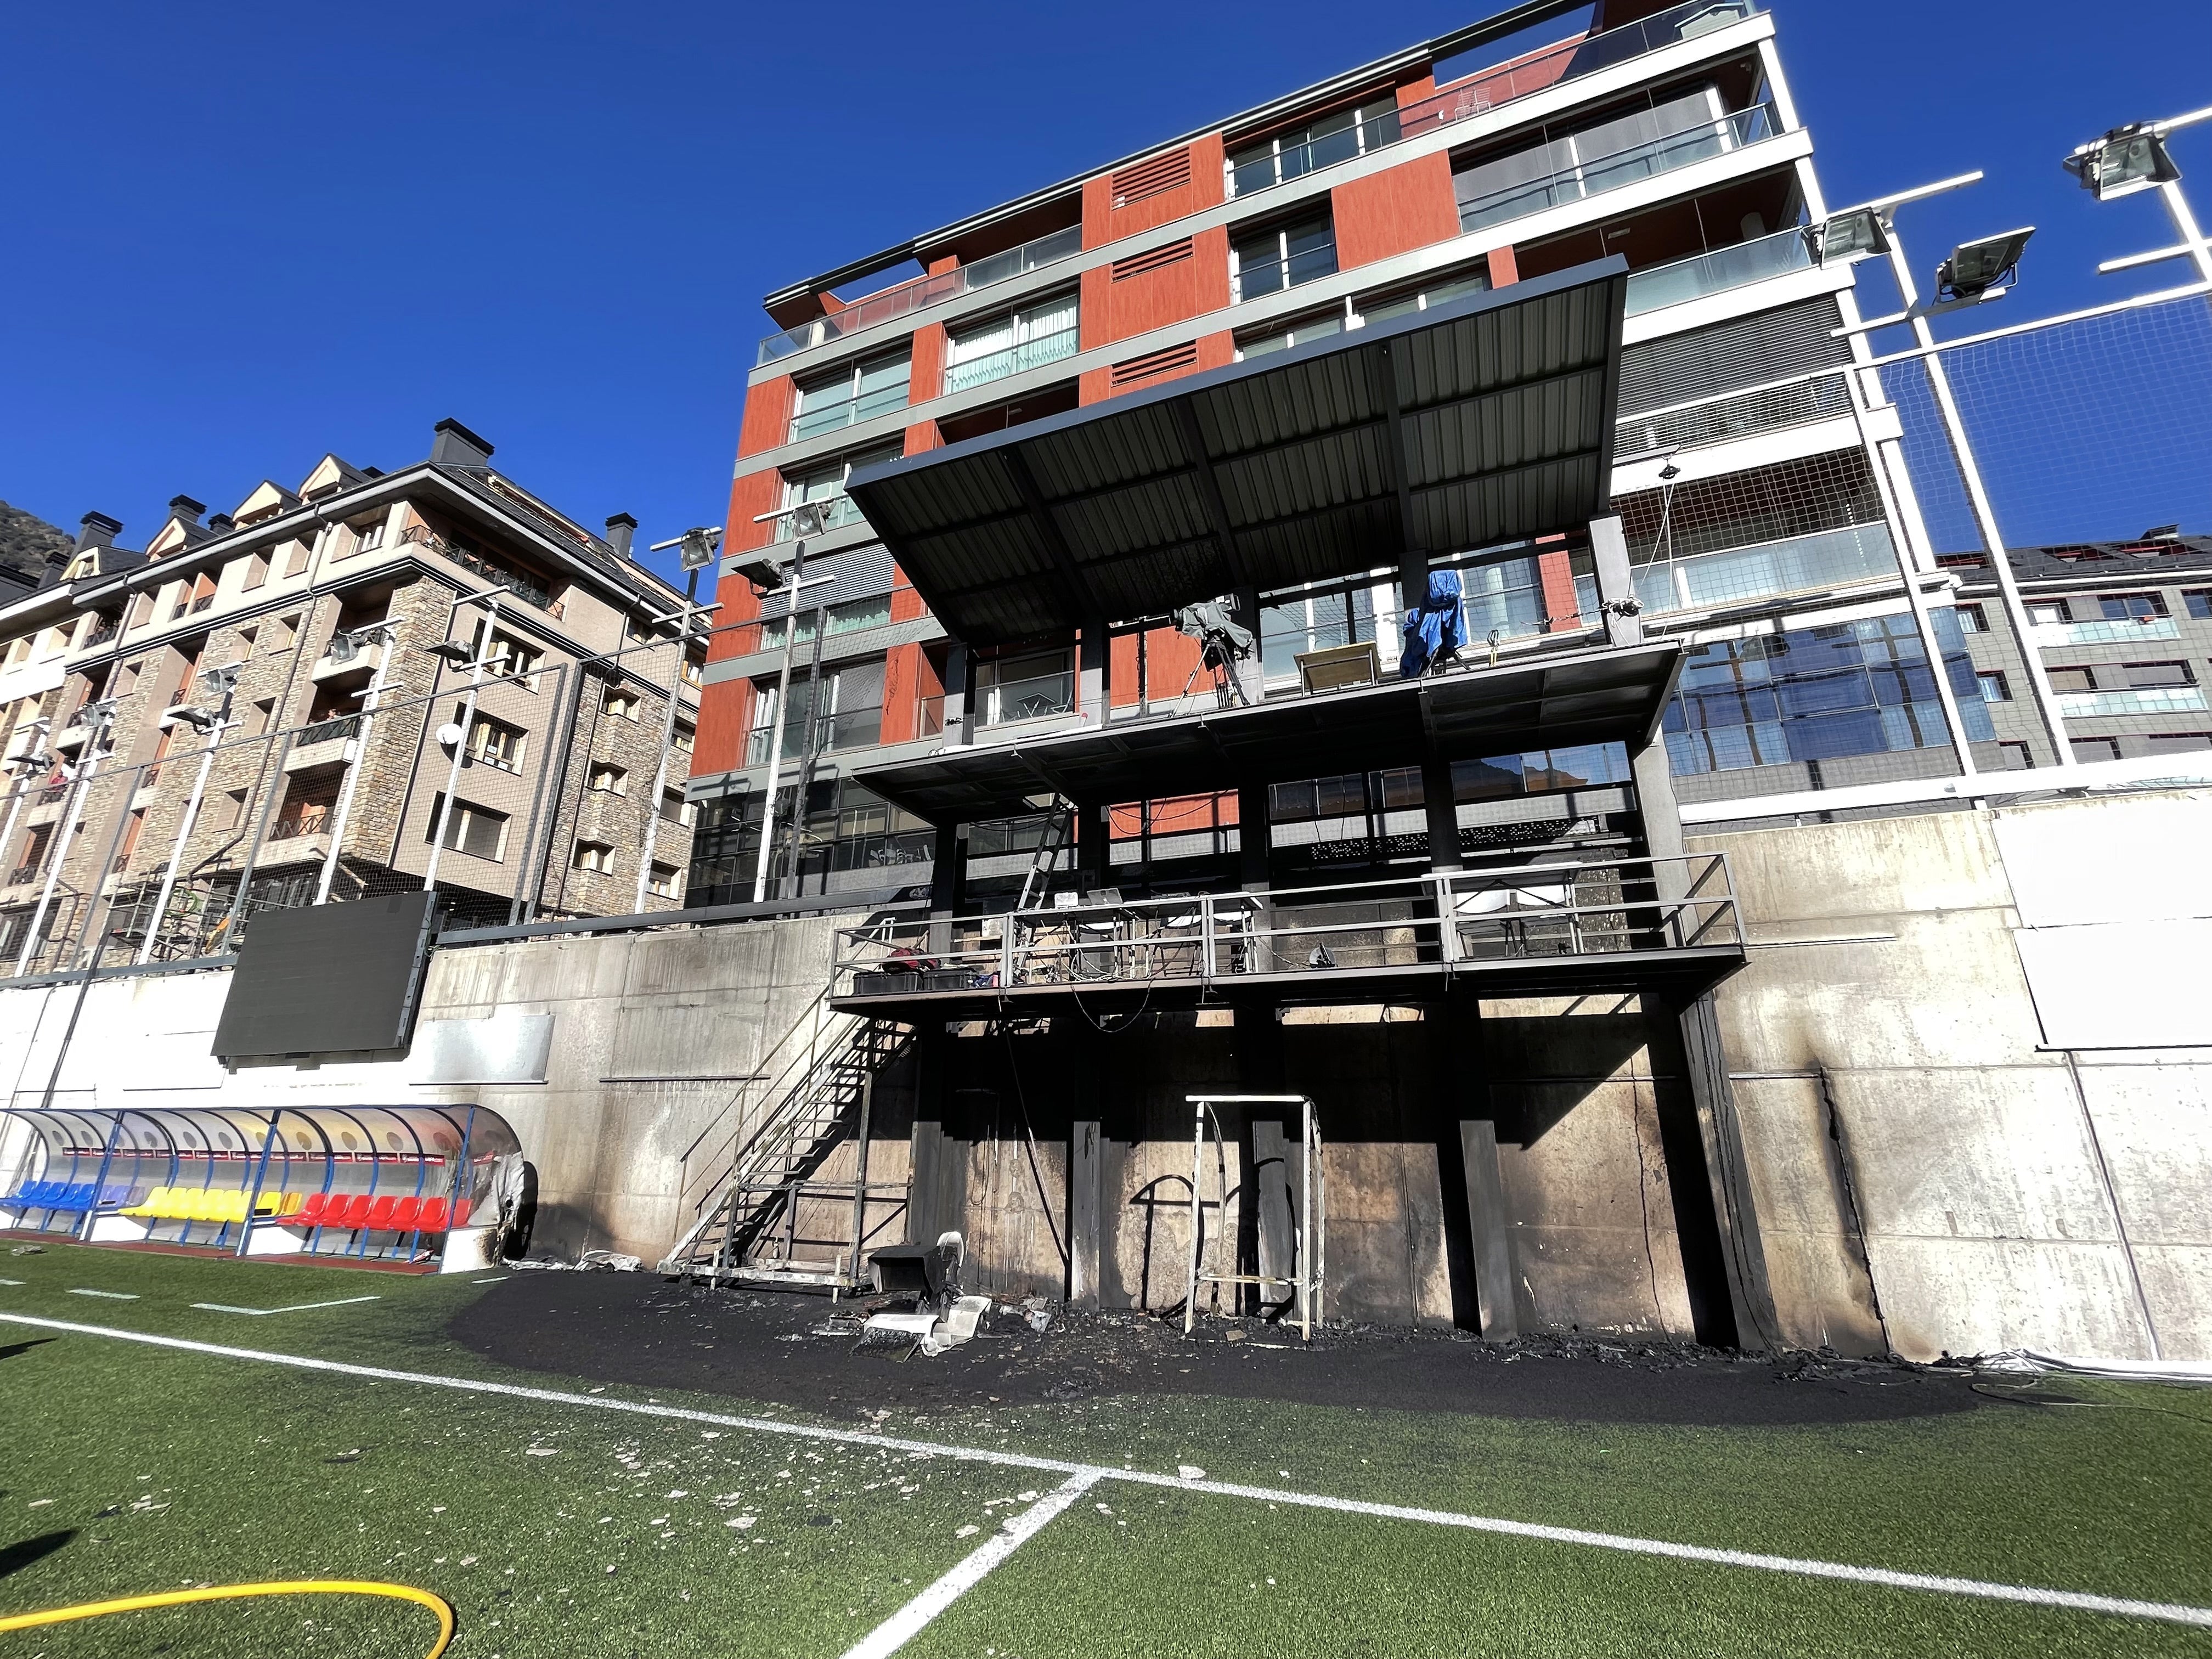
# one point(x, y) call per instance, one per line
point(98, 530)
point(186, 508)
point(620, 528)
point(223, 524)
point(453, 444)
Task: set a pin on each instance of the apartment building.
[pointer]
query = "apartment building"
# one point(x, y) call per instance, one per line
point(2124, 633)
point(265, 707)
point(1760, 486)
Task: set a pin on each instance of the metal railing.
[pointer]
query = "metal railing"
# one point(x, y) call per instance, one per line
point(1018, 359)
point(521, 587)
point(1729, 415)
point(329, 731)
point(912, 295)
point(1442, 920)
point(1598, 175)
point(1364, 134)
point(1716, 272)
point(812, 423)
point(1259, 276)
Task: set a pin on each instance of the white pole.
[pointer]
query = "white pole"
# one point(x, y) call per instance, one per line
point(59, 848)
point(461, 744)
point(1939, 380)
point(184, 829)
point(2185, 223)
point(790, 591)
point(667, 738)
point(360, 762)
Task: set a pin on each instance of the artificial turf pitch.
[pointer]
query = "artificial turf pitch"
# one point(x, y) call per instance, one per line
point(559, 1529)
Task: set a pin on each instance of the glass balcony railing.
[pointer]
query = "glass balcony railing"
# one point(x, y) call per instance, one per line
point(1738, 575)
point(819, 418)
point(911, 297)
point(1028, 700)
point(1257, 276)
point(1018, 359)
point(1596, 175)
point(1718, 271)
point(1736, 415)
point(1356, 137)
point(2107, 630)
point(2155, 700)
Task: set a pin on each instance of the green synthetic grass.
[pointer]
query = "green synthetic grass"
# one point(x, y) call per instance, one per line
point(171, 1468)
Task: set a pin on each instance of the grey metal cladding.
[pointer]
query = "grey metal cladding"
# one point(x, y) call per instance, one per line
point(1767, 345)
point(1140, 443)
point(1157, 511)
point(1326, 471)
point(859, 573)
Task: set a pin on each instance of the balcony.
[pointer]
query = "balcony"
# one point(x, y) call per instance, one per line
point(347, 663)
point(1718, 271)
point(1018, 359)
point(1598, 175)
point(1038, 698)
point(1617, 926)
point(1361, 135)
point(850, 728)
point(1257, 276)
point(322, 746)
point(1736, 415)
point(819, 418)
point(1740, 575)
point(2155, 700)
point(911, 297)
point(2109, 631)
point(521, 587)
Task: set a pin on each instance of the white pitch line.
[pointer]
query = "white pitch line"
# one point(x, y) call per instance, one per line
point(903, 1627)
point(10, 1281)
point(2176, 1613)
point(297, 1307)
point(112, 1296)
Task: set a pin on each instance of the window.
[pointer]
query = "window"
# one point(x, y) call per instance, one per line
point(245, 639)
point(1282, 257)
point(2017, 757)
point(826, 484)
point(2089, 750)
point(233, 811)
point(855, 614)
point(637, 630)
point(2073, 679)
point(264, 716)
point(369, 535)
point(2044, 613)
point(132, 827)
point(662, 883)
point(674, 808)
point(2199, 602)
point(682, 739)
point(2127, 607)
point(1381, 309)
point(595, 856)
point(851, 393)
point(1027, 687)
point(287, 633)
point(1010, 344)
point(693, 669)
point(2175, 742)
point(256, 572)
point(619, 704)
point(1994, 687)
point(2143, 675)
point(476, 830)
point(611, 780)
point(510, 658)
point(295, 557)
point(495, 743)
point(1973, 619)
point(1317, 327)
point(1318, 144)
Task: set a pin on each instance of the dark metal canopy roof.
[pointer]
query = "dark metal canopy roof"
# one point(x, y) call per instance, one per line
point(1580, 696)
point(1484, 420)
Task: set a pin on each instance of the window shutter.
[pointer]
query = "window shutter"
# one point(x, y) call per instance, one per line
point(1155, 177)
point(1155, 364)
point(1151, 259)
point(1771, 345)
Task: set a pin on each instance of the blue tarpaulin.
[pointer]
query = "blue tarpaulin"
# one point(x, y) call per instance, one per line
point(1433, 633)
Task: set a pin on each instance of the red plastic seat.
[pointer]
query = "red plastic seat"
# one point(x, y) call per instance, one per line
point(348, 1210)
point(433, 1219)
point(378, 1219)
point(461, 1213)
point(312, 1211)
point(403, 1215)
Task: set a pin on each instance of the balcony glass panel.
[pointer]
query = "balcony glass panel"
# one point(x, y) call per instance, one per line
point(1736, 575)
point(1718, 271)
point(1012, 344)
point(1028, 699)
point(862, 392)
point(1742, 415)
point(2162, 699)
point(1319, 143)
point(1565, 170)
point(1303, 253)
point(912, 295)
point(2124, 631)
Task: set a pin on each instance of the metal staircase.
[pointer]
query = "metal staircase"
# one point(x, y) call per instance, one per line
point(749, 1225)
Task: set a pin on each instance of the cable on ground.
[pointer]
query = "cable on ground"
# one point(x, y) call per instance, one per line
point(437, 1604)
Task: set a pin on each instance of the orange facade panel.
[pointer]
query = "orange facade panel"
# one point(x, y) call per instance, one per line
point(1155, 288)
point(1395, 211)
point(768, 415)
point(726, 714)
point(1154, 190)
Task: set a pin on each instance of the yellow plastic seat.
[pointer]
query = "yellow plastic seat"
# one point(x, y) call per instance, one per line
point(275, 1203)
point(233, 1208)
point(148, 1205)
point(203, 1206)
point(176, 1204)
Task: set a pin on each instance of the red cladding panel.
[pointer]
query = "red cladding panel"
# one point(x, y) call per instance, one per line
point(768, 415)
point(1394, 212)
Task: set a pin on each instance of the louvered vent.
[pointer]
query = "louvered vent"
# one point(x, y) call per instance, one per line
point(1151, 259)
point(1748, 351)
point(1155, 363)
point(1152, 178)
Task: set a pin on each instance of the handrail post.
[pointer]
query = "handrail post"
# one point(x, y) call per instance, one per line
point(1007, 950)
point(1447, 919)
point(1205, 939)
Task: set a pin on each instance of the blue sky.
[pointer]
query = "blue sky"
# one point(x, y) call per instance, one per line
point(243, 235)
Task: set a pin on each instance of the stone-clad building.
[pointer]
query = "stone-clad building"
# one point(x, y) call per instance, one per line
point(309, 620)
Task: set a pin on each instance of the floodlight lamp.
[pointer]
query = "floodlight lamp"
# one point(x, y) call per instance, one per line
point(763, 572)
point(219, 682)
point(700, 545)
point(807, 519)
point(2124, 160)
point(1975, 268)
point(1846, 236)
point(456, 652)
point(183, 713)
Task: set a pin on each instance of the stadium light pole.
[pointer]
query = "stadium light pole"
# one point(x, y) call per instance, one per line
point(2134, 158)
point(449, 650)
point(807, 519)
point(382, 634)
point(1975, 273)
point(700, 546)
point(96, 717)
point(212, 723)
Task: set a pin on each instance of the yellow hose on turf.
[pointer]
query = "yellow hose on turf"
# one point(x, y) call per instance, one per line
point(437, 1604)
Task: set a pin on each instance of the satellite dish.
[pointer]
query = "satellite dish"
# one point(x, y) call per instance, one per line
point(450, 734)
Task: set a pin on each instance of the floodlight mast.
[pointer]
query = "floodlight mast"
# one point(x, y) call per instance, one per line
point(101, 711)
point(806, 519)
point(379, 633)
point(1969, 472)
point(224, 680)
point(700, 544)
point(468, 725)
point(2147, 167)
